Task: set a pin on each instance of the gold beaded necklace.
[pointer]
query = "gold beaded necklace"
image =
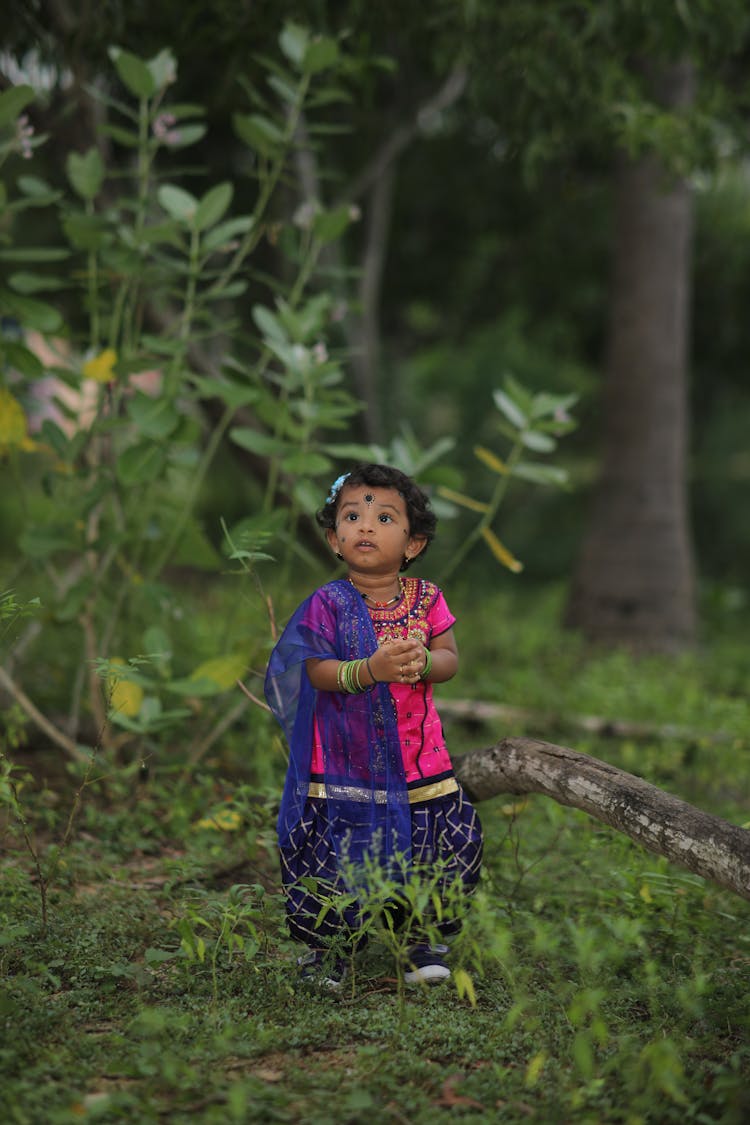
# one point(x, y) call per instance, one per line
point(389, 633)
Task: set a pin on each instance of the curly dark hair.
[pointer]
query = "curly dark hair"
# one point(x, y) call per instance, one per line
point(422, 519)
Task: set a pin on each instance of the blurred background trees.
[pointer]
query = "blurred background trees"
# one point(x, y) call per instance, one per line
point(555, 192)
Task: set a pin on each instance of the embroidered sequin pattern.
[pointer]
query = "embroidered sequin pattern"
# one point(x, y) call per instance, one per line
point(409, 617)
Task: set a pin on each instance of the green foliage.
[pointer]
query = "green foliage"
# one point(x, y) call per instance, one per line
point(592, 981)
point(533, 423)
point(156, 276)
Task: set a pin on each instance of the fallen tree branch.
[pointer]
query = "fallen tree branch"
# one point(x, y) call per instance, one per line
point(479, 711)
point(71, 748)
point(704, 844)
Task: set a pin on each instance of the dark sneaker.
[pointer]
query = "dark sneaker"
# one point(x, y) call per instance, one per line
point(425, 964)
point(320, 968)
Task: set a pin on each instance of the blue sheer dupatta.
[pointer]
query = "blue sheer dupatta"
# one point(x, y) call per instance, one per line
point(363, 779)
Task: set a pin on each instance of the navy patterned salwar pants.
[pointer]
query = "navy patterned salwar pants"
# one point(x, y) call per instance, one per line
point(446, 854)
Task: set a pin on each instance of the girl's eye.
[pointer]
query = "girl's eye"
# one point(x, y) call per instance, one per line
point(385, 518)
point(351, 516)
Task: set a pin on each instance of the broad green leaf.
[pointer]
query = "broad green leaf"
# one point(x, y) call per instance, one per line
point(512, 412)
point(162, 68)
point(294, 41)
point(141, 464)
point(13, 101)
point(126, 137)
point(187, 109)
point(256, 442)
point(523, 399)
point(30, 312)
point(34, 283)
point(258, 132)
point(37, 189)
point(233, 394)
point(84, 232)
point(157, 644)
point(322, 53)
point(223, 671)
point(41, 541)
point(269, 324)
point(134, 72)
point(222, 235)
point(213, 206)
point(161, 345)
point(545, 405)
point(18, 356)
point(55, 437)
point(86, 172)
point(539, 442)
point(312, 464)
point(34, 254)
point(286, 91)
point(153, 417)
point(329, 96)
point(330, 225)
point(178, 203)
point(185, 135)
point(73, 601)
point(157, 233)
point(236, 289)
point(540, 474)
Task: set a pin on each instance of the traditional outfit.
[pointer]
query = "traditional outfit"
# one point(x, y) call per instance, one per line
point(369, 777)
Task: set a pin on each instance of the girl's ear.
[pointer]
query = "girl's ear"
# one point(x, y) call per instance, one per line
point(333, 539)
point(416, 545)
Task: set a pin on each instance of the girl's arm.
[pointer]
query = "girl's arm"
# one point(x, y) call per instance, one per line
point(385, 664)
point(444, 653)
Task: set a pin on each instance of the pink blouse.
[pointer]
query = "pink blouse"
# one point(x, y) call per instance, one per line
point(422, 611)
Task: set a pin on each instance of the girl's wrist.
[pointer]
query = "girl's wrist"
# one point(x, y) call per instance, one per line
point(427, 664)
point(349, 676)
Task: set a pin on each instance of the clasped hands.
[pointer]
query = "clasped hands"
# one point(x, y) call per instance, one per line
point(399, 661)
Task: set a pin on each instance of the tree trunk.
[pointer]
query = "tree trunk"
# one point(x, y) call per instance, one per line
point(634, 581)
point(366, 349)
point(702, 843)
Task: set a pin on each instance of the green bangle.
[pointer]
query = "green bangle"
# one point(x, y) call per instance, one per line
point(348, 676)
point(427, 664)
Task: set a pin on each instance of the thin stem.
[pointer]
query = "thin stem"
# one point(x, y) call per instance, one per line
point(93, 288)
point(42, 880)
point(489, 516)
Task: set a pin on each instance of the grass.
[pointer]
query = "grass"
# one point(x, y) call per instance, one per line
point(608, 986)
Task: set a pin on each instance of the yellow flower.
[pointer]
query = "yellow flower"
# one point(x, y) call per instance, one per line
point(100, 367)
point(14, 432)
point(501, 553)
point(125, 697)
point(226, 820)
point(491, 460)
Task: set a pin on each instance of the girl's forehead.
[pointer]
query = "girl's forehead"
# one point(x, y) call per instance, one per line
point(371, 494)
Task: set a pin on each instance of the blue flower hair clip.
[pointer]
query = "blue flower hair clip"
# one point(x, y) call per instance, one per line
point(336, 488)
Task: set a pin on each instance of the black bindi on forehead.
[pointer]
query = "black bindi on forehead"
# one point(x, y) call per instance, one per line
point(369, 498)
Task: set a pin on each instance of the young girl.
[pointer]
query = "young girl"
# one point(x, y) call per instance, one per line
point(350, 681)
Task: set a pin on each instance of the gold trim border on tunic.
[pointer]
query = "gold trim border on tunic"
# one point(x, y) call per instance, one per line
point(318, 790)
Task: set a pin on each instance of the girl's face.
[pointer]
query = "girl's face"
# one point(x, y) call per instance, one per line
point(372, 529)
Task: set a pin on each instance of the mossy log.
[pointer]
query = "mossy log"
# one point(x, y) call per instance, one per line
point(704, 844)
